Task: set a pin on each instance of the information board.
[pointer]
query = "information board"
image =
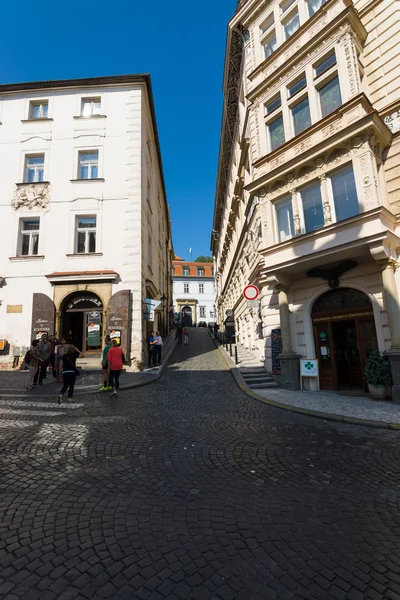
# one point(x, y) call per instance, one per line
point(276, 349)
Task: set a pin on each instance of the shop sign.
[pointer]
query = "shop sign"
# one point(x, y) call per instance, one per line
point(84, 298)
point(148, 315)
point(43, 313)
point(118, 318)
point(309, 368)
point(93, 334)
point(94, 317)
point(116, 335)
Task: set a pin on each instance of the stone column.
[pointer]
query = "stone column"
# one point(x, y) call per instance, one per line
point(325, 200)
point(290, 365)
point(393, 312)
point(296, 214)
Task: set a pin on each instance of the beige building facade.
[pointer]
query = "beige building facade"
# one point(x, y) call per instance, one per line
point(308, 200)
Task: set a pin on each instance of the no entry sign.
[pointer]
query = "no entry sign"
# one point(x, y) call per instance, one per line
point(251, 292)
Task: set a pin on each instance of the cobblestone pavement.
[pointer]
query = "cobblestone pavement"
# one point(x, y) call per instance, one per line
point(189, 489)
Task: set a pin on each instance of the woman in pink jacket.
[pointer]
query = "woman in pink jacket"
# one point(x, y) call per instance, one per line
point(116, 359)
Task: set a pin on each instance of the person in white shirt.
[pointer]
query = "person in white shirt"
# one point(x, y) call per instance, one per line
point(157, 347)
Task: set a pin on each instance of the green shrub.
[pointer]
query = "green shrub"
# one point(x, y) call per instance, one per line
point(377, 369)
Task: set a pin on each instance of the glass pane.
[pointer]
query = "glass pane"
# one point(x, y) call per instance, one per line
point(269, 21)
point(285, 5)
point(35, 243)
point(86, 157)
point(96, 108)
point(44, 110)
point(273, 105)
point(25, 245)
point(35, 160)
point(313, 6)
point(84, 172)
point(30, 224)
point(296, 87)
point(284, 217)
point(86, 222)
point(345, 194)
point(312, 207)
point(276, 133)
point(39, 174)
point(326, 64)
point(31, 175)
point(81, 242)
point(291, 25)
point(270, 45)
point(95, 172)
point(301, 116)
point(86, 108)
point(330, 96)
point(36, 111)
point(92, 241)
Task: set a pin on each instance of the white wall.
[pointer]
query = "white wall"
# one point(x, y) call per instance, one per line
point(205, 299)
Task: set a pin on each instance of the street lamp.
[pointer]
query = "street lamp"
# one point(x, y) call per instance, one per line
point(164, 305)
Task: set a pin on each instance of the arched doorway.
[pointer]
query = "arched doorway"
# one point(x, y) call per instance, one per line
point(344, 334)
point(82, 321)
point(187, 319)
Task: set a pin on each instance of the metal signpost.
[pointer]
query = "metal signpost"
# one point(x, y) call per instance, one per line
point(251, 292)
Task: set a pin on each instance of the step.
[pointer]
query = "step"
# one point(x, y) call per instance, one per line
point(254, 370)
point(257, 378)
point(260, 386)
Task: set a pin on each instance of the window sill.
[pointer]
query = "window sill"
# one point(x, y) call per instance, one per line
point(35, 120)
point(101, 179)
point(26, 257)
point(90, 117)
point(83, 254)
point(32, 183)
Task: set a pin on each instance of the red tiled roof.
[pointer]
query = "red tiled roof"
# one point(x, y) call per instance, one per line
point(177, 257)
point(178, 266)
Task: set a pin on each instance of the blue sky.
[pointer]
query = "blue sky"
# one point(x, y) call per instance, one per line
point(182, 45)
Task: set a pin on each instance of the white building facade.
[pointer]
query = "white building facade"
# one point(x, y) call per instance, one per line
point(86, 229)
point(193, 291)
point(308, 203)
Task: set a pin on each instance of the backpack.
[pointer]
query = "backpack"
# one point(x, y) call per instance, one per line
point(28, 357)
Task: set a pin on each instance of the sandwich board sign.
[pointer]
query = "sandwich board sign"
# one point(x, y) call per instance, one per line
point(308, 368)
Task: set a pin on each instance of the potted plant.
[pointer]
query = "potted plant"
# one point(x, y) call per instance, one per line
point(378, 375)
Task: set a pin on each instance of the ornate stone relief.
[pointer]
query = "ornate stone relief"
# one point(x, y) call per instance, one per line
point(393, 121)
point(347, 41)
point(369, 180)
point(31, 196)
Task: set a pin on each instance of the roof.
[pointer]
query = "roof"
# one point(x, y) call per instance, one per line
point(179, 264)
point(177, 257)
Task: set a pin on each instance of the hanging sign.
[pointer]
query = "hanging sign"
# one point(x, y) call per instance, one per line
point(93, 334)
point(151, 304)
point(115, 334)
point(251, 292)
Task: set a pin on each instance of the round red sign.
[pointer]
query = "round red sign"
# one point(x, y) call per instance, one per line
point(251, 292)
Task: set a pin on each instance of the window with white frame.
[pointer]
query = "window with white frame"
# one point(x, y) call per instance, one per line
point(29, 237)
point(313, 6)
point(85, 234)
point(88, 164)
point(311, 201)
point(200, 271)
point(90, 107)
point(34, 168)
point(327, 84)
point(284, 218)
point(38, 109)
point(344, 194)
point(201, 288)
point(202, 311)
point(301, 117)
point(185, 271)
point(276, 132)
point(185, 288)
point(291, 24)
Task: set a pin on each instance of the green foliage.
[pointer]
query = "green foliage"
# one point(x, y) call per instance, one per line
point(377, 369)
point(207, 259)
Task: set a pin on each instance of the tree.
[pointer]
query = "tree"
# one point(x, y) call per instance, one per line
point(207, 259)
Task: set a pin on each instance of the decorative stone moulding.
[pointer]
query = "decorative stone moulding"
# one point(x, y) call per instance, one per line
point(31, 195)
point(393, 121)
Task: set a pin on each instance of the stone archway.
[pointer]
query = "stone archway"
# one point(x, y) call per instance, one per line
point(82, 321)
point(187, 316)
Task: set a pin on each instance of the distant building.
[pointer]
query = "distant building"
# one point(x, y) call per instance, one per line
point(193, 291)
point(308, 202)
point(85, 223)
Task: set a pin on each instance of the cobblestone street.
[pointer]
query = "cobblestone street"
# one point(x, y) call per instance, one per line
point(189, 489)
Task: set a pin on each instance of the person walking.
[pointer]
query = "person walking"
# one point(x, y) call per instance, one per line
point(150, 346)
point(178, 334)
point(69, 371)
point(157, 348)
point(60, 351)
point(52, 359)
point(105, 366)
point(33, 364)
point(116, 360)
point(185, 336)
point(45, 352)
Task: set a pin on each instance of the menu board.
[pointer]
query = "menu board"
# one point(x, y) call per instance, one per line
point(276, 347)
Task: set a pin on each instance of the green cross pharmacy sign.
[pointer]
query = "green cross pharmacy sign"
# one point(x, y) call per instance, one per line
point(309, 368)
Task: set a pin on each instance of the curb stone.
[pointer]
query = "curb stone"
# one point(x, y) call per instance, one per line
point(303, 411)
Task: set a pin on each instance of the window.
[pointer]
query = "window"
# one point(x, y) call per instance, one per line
point(29, 238)
point(185, 271)
point(297, 85)
point(286, 4)
point(90, 107)
point(284, 219)
point(202, 311)
point(89, 164)
point(34, 168)
point(185, 288)
point(313, 6)
point(329, 96)
point(301, 116)
point(291, 24)
point(344, 194)
point(38, 110)
point(201, 288)
point(312, 207)
point(273, 104)
point(149, 252)
point(276, 133)
point(325, 64)
point(269, 21)
point(85, 235)
point(269, 44)
point(200, 271)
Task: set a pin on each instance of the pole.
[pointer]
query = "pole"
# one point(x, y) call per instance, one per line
point(236, 356)
point(230, 348)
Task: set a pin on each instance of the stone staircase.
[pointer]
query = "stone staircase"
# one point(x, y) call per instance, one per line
point(252, 371)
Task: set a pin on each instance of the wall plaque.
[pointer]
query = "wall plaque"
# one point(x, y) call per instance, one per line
point(276, 348)
point(14, 308)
